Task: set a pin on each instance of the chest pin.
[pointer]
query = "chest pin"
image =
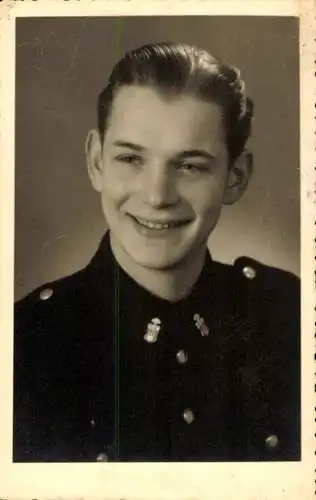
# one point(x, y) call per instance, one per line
point(201, 325)
point(153, 329)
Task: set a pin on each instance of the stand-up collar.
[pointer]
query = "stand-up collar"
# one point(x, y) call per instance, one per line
point(110, 274)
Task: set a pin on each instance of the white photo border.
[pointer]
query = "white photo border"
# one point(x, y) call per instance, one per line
point(186, 481)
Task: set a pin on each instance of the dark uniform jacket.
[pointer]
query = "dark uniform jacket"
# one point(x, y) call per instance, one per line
point(104, 370)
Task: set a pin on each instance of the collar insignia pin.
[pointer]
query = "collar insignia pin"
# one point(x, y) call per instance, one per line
point(153, 329)
point(201, 325)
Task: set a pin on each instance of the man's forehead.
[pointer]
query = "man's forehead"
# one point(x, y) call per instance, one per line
point(143, 113)
point(132, 95)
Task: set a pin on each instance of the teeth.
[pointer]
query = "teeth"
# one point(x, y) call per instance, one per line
point(152, 225)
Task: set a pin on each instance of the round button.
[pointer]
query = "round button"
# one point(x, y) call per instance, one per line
point(92, 423)
point(249, 272)
point(46, 293)
point(188, 416)
point(182, 357)
point(272, 441)
point(102, 457)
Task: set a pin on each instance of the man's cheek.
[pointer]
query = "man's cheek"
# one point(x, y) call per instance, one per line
point(113, 188)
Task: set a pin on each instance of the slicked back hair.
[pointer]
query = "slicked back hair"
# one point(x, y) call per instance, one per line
point(183, 69)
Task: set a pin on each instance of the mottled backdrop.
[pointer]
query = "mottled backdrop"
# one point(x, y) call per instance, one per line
point(62, 64)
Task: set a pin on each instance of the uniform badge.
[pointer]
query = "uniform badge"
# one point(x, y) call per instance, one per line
point(201, 325)
point(153, 329)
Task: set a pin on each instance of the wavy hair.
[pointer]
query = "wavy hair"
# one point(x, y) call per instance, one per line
point(181, 68)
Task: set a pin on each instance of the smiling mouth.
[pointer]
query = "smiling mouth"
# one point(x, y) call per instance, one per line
point(159, 225)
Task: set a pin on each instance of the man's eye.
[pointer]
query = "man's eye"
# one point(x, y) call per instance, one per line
point(191, 167)
point(130, 159)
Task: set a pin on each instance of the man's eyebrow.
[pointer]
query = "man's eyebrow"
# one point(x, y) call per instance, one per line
point(129, 145)
point(182, 154)
point(195, 153)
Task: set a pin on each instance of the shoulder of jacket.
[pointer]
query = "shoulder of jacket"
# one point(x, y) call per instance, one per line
point(47, 299)
point(262, 275)
point(271, 294)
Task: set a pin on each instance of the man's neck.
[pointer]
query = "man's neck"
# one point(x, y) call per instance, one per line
point(170, 284)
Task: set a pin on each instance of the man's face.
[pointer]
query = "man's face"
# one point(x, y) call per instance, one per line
point(162, 172)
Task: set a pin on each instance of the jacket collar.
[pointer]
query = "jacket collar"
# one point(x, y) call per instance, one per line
point(107, 275)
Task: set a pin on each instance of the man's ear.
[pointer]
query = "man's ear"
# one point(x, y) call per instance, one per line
point(238, 177)
point(93, 150)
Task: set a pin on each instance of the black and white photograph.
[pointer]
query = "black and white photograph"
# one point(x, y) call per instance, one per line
point(157, 287)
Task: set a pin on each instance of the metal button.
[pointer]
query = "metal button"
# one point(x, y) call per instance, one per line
point(102, 457)
point(249, 272)
point(188, 416)
point(182, 357)
point(272, 441)
point(46, 293)
point(92, 423)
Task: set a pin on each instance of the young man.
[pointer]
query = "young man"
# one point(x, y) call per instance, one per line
point(154, 351)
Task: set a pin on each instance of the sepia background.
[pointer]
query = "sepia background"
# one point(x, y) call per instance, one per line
point(62, 65)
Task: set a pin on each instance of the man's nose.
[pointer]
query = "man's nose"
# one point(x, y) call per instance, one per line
point(159, 188)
